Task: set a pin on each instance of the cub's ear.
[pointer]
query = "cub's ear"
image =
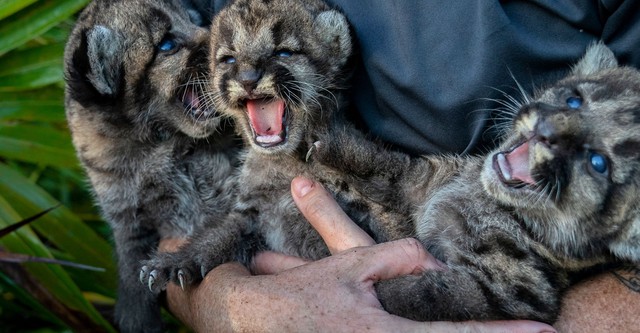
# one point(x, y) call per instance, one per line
point(94, 68)
point(196, 10)
point(598, 57)
point(333, 29)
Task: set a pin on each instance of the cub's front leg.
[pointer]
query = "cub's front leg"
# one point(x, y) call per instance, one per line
point(209, 248)
point(349, 151)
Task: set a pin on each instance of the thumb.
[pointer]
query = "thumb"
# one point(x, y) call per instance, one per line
point(325, 215)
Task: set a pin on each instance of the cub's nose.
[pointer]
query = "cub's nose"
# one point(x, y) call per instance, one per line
point(559, 131)
point(249, 79)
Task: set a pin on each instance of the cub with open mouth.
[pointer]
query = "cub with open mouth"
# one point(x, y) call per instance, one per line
point(518, 225)
point(279, 69)
point(157, 155)
point(278, 76)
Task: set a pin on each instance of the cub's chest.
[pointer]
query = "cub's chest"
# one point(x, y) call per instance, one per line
point(261, 171)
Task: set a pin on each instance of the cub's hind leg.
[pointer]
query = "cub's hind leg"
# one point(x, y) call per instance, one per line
point(470, 292)
point(136, 309)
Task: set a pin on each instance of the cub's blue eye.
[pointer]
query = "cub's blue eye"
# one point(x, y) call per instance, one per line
point(228, 60)
point(167, 44)
point(598, 163)
point(574, 102)
point(284, 54)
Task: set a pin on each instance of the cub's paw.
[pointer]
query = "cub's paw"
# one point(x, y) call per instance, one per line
point(177, 267)
point(164, 268)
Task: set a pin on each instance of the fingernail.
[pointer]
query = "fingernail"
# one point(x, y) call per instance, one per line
point(545, 328)
point(442, 265)
point(302, 186)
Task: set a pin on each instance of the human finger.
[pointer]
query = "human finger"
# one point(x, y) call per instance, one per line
point(269, 262)
point(326, 216)
point(392, 259)
point(506, 326)
point(391, 323)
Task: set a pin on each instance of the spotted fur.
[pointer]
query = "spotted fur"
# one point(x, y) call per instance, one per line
point(158, 161)
point(290, 61)
point(516, 226)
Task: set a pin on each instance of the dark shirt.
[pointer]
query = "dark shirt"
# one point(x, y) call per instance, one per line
point(429, 70)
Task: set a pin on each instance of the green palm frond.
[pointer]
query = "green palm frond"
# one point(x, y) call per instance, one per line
point(39, 170)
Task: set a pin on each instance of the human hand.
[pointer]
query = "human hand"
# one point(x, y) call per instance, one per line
point(289, 302)
point(607, 302)
point(230, 299)
point(334, 294)
point(361, 264)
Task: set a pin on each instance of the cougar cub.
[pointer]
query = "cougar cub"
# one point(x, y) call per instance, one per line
point(158, 159)
point(559, 196)
point(278, 69)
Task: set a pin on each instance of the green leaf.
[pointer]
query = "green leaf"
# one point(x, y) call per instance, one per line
point(18, 225)
point(36, 78)
point(20, 258)
point(37, 105)
point(66, 231)
point(41, 133)
point(52, 277)
point(60, 226)
point(21, 61)
point(57, 34)
point(15, 298)
point(33, 152)
point(31, 68)
point(35, 20)
point(8, 7)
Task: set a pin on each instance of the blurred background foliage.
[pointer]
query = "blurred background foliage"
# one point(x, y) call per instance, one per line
point(39, 170)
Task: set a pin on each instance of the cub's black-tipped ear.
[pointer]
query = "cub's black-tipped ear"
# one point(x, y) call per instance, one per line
point(332, 27)
point(95, 70)
point(598, 57)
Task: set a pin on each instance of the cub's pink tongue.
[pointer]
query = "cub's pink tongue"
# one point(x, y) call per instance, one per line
point(266, 116)
point(190, 99)
point(515, 165)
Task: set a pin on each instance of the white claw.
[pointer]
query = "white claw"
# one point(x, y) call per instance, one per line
point(203, 271)
point(312, 150)
point(152, 279)
point(143, 272)
point(181, 279)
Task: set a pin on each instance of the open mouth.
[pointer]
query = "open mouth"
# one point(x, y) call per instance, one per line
point(192, 102)
point(267, 120)
point(512, 167)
